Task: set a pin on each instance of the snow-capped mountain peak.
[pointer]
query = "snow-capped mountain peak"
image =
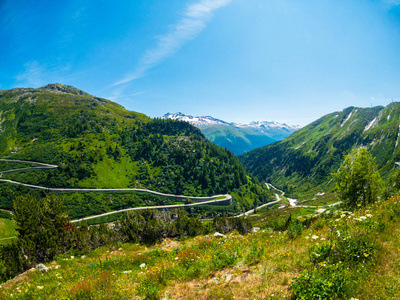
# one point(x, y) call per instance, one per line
point(205, 121)
point(196, 121)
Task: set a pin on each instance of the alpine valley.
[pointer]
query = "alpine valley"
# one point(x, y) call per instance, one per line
point(239, 138)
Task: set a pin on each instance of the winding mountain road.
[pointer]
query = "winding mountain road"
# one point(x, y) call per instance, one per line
point(198, 200)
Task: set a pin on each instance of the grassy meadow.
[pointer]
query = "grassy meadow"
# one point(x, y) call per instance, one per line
point(7, 230)
point(341, 255)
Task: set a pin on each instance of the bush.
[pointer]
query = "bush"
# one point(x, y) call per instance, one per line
point(225, 225)
point(328, 282)
point(294, 230)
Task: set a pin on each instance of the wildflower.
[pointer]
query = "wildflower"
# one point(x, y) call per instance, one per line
point(369, 215)
point(314, 237)
point(338, 233)
point(143, 265)
point(40, 287)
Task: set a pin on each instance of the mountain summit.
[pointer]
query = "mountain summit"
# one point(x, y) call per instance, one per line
point(239, 138)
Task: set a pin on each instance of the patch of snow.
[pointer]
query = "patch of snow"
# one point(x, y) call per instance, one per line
point(300, 145)
point(210, 121)
point(388, 117)
point(397, 141)
point(320, 194)
point(369, 125)
point(197, 121)
point(292, 201)
point(348, 117)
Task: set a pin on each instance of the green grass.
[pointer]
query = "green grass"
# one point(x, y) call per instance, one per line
point(7, 230)
point(262, 265)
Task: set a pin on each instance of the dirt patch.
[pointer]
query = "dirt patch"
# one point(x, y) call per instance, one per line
point(169, 245)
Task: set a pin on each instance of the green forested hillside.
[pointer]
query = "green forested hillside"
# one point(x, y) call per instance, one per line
point(238, 140)
point(97, 143)
point(304, 161)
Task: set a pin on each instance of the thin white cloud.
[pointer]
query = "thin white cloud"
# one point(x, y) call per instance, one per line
point(33, 74)
point(36, 74)
point(391, 3)
point(192, 22)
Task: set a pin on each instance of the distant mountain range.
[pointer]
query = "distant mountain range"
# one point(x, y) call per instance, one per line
point(303, 162)
point(239, 138)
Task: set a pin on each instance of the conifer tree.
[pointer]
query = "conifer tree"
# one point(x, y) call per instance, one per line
point(358, 182)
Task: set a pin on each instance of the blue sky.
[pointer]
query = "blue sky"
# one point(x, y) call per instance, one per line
point(238, 60)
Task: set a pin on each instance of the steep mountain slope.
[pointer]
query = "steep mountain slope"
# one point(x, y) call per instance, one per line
point(304, 161)
point(97, 143)
point(239, 138)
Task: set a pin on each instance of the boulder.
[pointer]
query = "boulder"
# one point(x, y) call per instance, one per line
point(42, 268)
point(217, 234)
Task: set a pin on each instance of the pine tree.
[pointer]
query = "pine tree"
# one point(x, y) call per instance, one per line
point(358, 182)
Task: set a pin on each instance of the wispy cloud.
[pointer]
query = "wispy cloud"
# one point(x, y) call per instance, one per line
point(36, 74)
point(118, 94)
point(391, 3)
point(33, 75)
point(192, 22)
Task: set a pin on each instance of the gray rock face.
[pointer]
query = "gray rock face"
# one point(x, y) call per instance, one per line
point(42, 268)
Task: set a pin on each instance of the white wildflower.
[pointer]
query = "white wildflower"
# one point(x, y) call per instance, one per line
point(40, 287)
point(143, 265)
point(314, 237)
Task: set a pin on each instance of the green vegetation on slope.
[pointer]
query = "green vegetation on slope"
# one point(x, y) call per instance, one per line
point(347, 255)
point(7, 230)
point(98, 144)
point(302, 163)
point(238, 140)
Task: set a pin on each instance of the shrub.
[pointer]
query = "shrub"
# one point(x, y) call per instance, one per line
point(328, 282)
point(294, 230)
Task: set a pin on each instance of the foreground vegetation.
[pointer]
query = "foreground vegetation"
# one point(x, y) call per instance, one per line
point(341, 255)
